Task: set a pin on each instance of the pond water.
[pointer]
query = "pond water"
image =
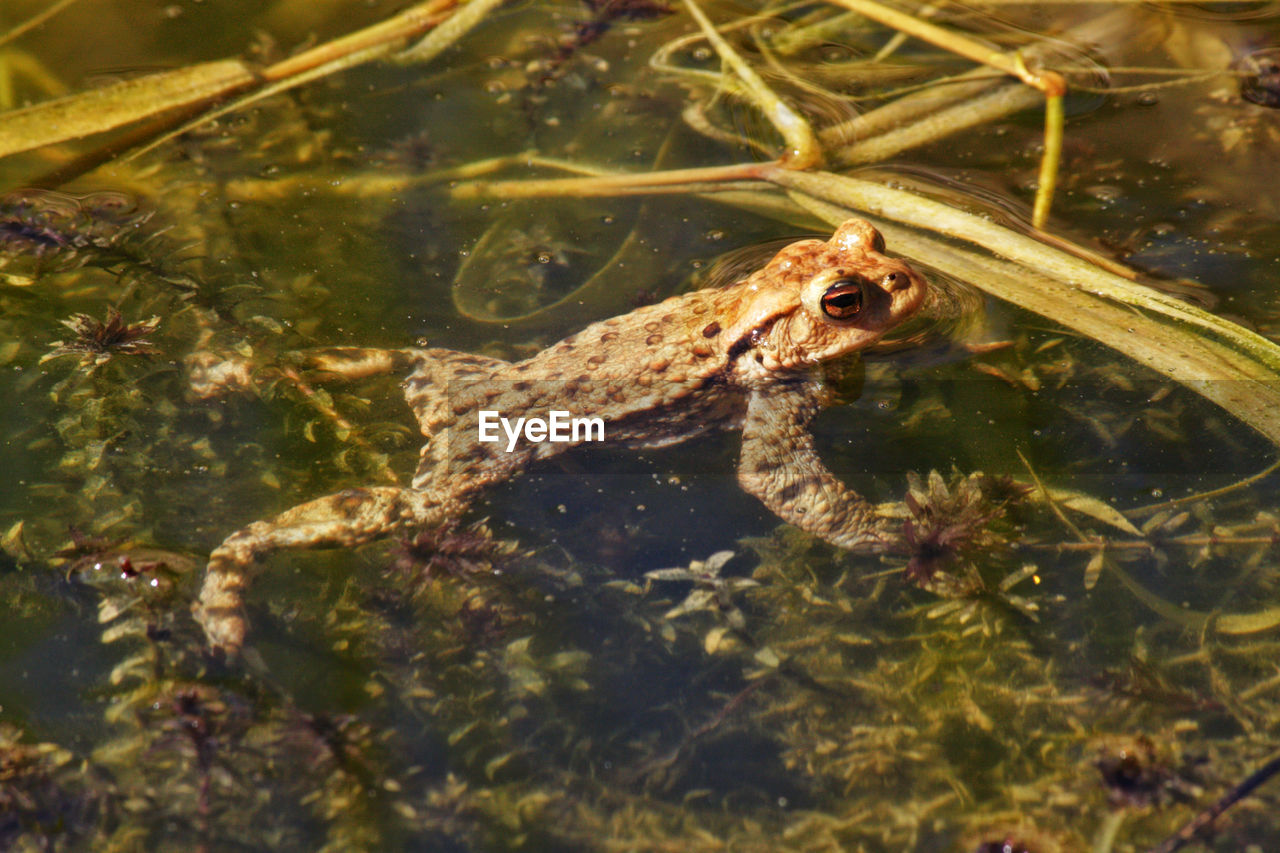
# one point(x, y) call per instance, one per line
point(1073, 646)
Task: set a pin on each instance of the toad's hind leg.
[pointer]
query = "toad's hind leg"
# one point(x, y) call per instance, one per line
point(348, 518)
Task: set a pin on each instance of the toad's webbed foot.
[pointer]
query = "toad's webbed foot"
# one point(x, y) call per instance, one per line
point(349, 518)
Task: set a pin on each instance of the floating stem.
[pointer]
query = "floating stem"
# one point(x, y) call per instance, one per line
point(1053, 121)
point(173, 97)
point(34, 21)
point(696, 180)
point(803, 150)
point(1050, 83)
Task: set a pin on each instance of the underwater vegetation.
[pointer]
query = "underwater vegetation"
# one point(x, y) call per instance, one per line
point(1076, 648)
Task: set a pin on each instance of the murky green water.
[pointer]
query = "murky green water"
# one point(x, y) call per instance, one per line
point(1029, 674)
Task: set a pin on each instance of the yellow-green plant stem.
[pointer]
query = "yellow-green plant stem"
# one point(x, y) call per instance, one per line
point(194, 88)
point(941, 37)
point(877, 137)
point(954, 104)
point(1152, 509)
point(34, 21)
point(447, 33)
point(696, 180)
point(1053, 121)
point(120, 104)
point(380, 41)
point(379, 184)
point(1105, 839)
point(1049, 83)
point(803, 149)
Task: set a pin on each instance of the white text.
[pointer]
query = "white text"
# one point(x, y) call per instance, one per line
point(559, 426)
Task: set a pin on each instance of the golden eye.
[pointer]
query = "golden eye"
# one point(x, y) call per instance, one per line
point(843, 300)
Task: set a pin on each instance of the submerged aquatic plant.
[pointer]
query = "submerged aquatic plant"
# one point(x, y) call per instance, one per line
point(44, 232)
point(45, 795)
point(414, 152)
point(450, 549)
point(953, 525)
point(605, 13)
point(1260, 80)
point(1136, 774)
point(97, 341)
point(710, 590)
point(42, 223)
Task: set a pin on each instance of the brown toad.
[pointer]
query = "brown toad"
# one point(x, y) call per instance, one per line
point(747, 356)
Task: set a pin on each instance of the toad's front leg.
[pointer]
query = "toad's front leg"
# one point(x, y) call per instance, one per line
point(349, 518)
point(780, 466)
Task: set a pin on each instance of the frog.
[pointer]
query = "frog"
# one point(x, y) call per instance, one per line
point(747, 356)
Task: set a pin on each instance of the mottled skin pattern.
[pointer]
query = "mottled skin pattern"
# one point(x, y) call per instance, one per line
point(747, 356)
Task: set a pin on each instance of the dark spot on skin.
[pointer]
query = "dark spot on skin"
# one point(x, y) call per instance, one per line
point(711, 330)
point(608, 336)
point(521, 386)
point(651, 326)
point(739, 347)
point(653, 340)
point(753, 338)
point(597, 359)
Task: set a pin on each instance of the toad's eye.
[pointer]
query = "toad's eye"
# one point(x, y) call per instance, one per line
point(843, 300)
